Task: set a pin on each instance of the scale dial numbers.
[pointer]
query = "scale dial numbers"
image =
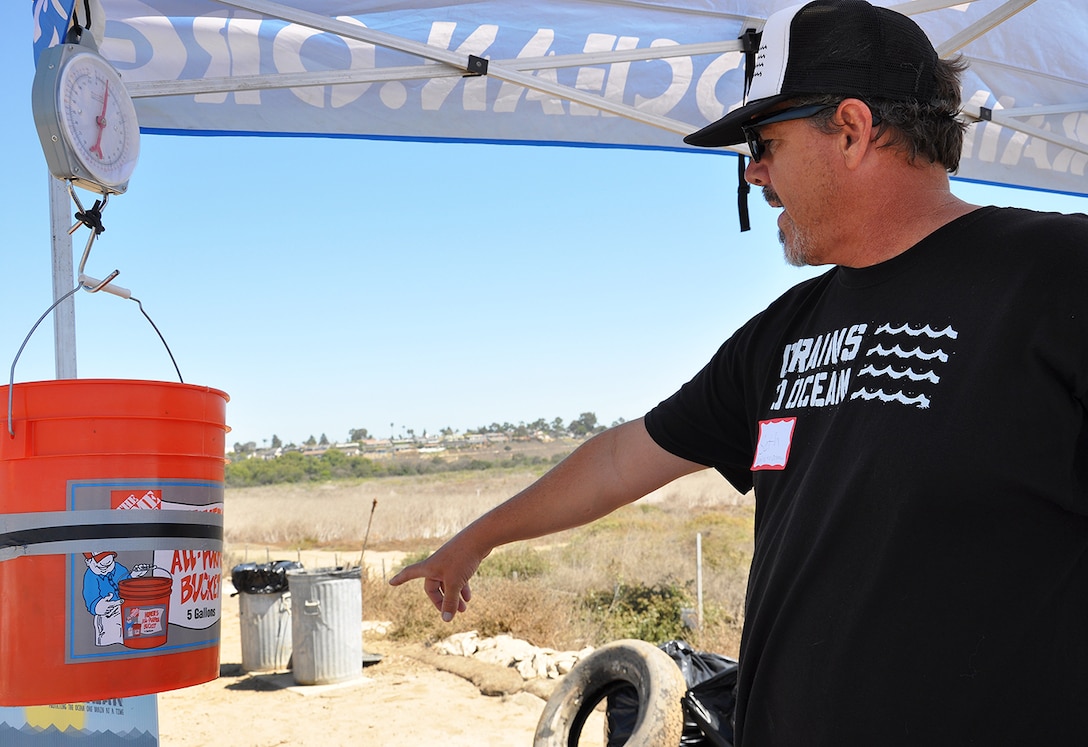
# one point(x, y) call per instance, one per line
point(96, 121)
point(85, 119)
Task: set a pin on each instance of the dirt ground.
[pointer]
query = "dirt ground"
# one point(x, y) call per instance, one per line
point(407, 698)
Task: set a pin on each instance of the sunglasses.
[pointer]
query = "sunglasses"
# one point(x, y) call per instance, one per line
point(755, 142)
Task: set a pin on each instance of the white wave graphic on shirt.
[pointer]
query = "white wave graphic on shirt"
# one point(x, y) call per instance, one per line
point(899, 352)
point(902, 367)
point(893, 373)
point(928, 331)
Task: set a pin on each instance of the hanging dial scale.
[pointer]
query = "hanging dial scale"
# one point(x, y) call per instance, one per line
point(84, 116)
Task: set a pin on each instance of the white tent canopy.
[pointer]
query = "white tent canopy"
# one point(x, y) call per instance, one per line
point(612, 73)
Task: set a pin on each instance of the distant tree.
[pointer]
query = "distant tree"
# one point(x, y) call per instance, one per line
point(276, 443)
point(557, 427)
point(584, 425)
point(358, 434)
point(311, 441)
point(447, 431)
point(247, 448)
point(324, 440)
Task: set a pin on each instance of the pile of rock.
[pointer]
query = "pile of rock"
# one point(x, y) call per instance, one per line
point(531, 662)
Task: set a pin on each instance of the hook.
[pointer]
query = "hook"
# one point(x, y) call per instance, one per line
point(93, 220)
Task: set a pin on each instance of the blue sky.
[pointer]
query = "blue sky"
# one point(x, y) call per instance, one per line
point(329, 284)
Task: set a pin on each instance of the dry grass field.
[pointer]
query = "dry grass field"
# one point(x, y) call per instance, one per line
point(627, 575)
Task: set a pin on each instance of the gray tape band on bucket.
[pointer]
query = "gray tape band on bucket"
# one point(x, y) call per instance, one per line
point(54, 532)
point(132, 544)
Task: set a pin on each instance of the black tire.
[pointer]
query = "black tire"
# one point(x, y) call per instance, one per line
point(652, 672)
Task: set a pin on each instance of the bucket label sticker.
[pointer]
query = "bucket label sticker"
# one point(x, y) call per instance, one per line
point(144, 622)
point(115, 720)
point(137, 593)
point(195, 601)
point(129, 499)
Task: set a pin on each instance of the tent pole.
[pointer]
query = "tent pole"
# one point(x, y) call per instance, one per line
point(1009, 120)
point(455, 60)
point(989, 21)
point(64, 316)
point(265, 81)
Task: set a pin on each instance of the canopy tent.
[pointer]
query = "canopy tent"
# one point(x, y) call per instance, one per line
point(611, 73)
point(604, 73)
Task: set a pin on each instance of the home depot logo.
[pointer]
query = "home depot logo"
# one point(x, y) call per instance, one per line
point(129, 499)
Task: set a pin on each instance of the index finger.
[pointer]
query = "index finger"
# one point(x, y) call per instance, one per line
point(408, 573)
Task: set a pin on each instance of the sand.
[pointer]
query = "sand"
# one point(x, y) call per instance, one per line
point(405, 699)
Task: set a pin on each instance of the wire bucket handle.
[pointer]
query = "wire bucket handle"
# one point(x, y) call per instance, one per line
point(92, 218)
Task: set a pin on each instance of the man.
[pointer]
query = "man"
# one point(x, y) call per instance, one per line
point(913, 421)
point(102, 594)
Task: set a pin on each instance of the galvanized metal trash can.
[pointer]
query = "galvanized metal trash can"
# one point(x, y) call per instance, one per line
point(266, 631)
point(264, 613)
point(326, 625)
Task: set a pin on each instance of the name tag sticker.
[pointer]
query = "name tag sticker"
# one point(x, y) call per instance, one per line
point(773, 447)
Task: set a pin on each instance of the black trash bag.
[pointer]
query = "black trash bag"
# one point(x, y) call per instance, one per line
point(708, 703)
point(711, 704)
point(263, 578)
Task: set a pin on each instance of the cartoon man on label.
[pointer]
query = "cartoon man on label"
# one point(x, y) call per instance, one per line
point(102, 593)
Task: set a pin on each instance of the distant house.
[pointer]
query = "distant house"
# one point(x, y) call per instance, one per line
point(348, 449)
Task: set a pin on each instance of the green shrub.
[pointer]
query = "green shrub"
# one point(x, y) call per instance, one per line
point(523, 561)
point(649, 613)
point(413, 557)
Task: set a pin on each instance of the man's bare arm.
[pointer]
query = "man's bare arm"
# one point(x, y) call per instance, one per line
point(610, 470)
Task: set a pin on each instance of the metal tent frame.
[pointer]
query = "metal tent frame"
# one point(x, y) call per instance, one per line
point(525, 72)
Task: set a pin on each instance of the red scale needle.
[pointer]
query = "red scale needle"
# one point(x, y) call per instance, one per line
point(101, 122)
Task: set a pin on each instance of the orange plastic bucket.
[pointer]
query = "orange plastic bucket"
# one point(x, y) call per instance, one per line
point(144, 611)
point(111, 511)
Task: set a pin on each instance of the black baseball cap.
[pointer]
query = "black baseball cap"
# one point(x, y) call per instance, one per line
point(841, 47)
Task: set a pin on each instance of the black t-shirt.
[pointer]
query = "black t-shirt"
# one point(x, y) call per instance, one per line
point(917, 437)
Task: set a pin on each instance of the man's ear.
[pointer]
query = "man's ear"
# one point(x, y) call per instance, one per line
point(855, 121)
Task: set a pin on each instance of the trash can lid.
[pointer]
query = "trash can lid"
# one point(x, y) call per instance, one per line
point(316, 574)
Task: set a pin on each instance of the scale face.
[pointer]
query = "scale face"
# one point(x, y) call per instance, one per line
point(85, 118)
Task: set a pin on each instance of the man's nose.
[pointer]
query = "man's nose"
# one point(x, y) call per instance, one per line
point(756, 173)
